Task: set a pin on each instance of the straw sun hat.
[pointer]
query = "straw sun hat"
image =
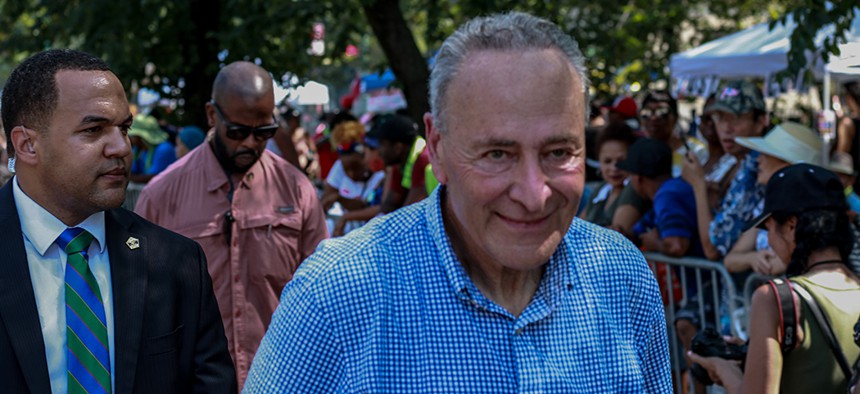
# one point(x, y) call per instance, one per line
point(791, 142)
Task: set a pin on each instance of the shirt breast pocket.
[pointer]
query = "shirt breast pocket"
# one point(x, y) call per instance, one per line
point(276, 237)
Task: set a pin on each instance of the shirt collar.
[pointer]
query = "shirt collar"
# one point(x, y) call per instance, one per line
point(216, 175)
point(42, 228)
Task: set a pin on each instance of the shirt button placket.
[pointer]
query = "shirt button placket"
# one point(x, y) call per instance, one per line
point(238, 291)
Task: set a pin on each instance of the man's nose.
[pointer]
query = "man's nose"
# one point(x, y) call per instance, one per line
point(118, 143)
point(530, 187)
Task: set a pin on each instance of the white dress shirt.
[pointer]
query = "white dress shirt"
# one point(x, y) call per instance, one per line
point(47, 272)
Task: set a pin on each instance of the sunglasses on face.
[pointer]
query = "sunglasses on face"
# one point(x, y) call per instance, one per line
point(662, 112)
point(240, 132)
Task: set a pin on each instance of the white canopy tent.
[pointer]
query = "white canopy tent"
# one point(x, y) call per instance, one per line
point(759, 52)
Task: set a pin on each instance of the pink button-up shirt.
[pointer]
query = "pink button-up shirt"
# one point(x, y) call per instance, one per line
point(278, 223)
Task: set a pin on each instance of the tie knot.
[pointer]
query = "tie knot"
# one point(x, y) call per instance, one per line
point(74, 240)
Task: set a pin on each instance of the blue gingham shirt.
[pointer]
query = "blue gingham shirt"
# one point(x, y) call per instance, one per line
point(389, 308)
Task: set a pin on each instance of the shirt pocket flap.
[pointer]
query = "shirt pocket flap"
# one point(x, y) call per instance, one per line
point(203, 229)
point(291, 220)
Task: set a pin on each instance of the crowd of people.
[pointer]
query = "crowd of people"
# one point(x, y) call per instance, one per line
point(495, 253)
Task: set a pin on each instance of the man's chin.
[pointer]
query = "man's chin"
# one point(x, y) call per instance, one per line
point(243, 163)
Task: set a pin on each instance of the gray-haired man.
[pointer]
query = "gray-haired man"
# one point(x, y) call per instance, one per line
point(489, 285)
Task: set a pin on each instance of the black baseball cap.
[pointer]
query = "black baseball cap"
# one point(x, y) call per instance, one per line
point(648, 157)
point(798, 188)
point(394, 128)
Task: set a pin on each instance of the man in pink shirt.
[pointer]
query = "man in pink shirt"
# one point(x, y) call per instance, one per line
point(255, 215)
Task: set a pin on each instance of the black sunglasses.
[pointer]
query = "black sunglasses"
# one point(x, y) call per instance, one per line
point(661, 112)
point(240, 132)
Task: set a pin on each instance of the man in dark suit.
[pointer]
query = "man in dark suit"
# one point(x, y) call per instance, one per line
point(92, 297)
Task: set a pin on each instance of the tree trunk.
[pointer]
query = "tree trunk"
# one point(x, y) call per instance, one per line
point(410, 68)
point(201, 53)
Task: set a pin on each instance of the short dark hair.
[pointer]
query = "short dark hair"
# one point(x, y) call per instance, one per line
point(30, 95)
point(817, 229)
point(340, 117)
point(615, 131)
point(661, 96)
point(395, 128)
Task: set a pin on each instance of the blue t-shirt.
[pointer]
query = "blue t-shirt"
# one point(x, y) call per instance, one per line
point(162, 156)
point(675, 214)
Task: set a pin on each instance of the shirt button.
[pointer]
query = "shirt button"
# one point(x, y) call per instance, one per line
point(236, 278)
point(519, 331)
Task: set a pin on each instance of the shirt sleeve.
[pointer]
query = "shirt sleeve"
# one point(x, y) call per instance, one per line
point(670, 218)
point(645, 224)
point(654, 350)
point(336, 175)
point(144, 206)
point(164, 156)
point(290, 361)
point(649, 332)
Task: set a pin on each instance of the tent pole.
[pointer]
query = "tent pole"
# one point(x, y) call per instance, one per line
point(827, 121)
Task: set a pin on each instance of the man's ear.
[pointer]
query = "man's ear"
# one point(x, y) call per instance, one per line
point(25, 143)
point(435, 149)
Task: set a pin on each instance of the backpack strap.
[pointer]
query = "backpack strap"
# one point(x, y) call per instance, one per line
point(787, 313)
point(824, 324)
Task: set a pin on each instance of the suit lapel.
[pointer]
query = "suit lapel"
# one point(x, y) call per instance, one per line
point(128, 278)
point(17, 301)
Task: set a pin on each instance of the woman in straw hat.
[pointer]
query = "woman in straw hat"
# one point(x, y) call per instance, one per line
point(788, 143)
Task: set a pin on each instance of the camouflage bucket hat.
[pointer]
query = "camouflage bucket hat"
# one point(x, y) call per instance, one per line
point(738, 97)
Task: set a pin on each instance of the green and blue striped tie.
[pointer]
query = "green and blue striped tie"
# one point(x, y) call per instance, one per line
point(87, 354)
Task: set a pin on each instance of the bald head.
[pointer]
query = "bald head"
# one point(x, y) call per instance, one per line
point(242, 80)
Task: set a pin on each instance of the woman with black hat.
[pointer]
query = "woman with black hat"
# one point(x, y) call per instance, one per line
point(807, 223)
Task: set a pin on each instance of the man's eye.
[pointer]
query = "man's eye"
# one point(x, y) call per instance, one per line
point(125, 128)
point(563, 154)
point(497, 154)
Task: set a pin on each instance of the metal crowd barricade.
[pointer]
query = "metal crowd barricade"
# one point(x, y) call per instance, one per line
point(723, 294)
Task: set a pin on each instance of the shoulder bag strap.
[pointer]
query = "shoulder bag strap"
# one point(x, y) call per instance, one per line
point(787, 313)
point(824, 324)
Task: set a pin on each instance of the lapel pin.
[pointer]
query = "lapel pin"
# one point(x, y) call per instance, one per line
point(132, 243)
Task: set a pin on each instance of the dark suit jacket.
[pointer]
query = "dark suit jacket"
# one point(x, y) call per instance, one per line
point(168, 332)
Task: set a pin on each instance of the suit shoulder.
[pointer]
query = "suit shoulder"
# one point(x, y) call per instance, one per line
point(137, 224)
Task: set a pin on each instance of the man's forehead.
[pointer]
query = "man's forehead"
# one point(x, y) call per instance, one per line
point(91, 94)
point(507, 72)
point(86, 79)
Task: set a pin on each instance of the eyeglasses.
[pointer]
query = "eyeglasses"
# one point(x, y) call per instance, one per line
point(662, 112)
point(240, 132)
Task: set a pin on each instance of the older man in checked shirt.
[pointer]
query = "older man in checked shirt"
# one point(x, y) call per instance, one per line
point(489, 285)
